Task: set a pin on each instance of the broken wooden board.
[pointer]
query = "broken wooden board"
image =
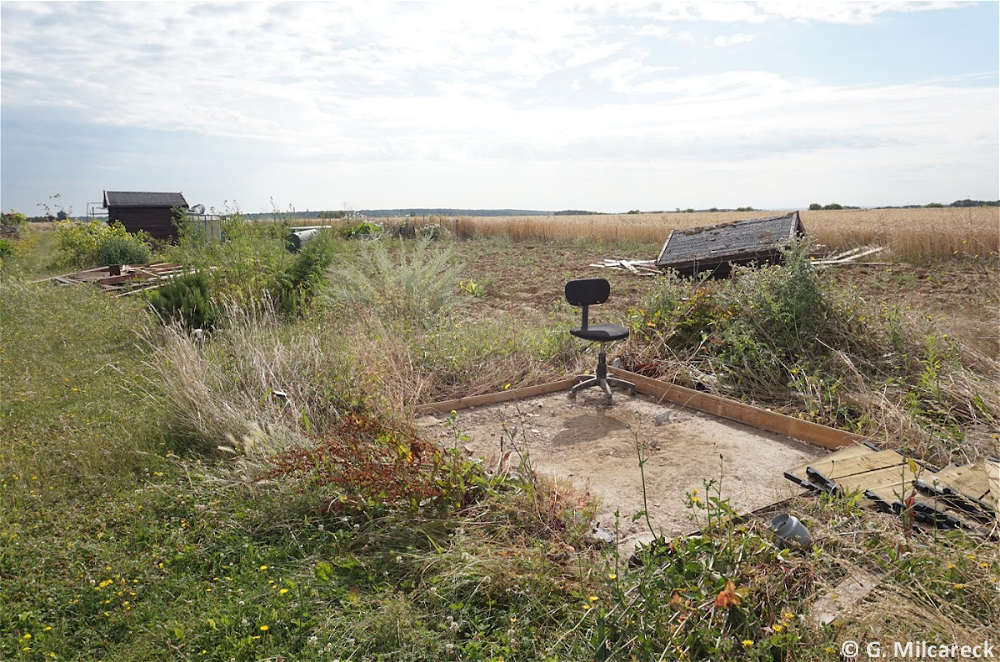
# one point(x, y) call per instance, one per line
point(857, 468)
point(992, 468)
point(968, 482)
point(940, 513)
point(848, 257)
point(718, 248)
point(887, 487)
point(957, 497)
point(637, 267)
point(131, 278)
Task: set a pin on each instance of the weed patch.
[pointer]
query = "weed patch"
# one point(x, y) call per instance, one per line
point(405, 286)
point(784, 336)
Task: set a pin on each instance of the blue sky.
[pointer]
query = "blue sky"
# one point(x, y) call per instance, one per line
point(549, 105)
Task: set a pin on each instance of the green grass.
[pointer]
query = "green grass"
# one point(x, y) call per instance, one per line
point(126, 535)
point(74, 403)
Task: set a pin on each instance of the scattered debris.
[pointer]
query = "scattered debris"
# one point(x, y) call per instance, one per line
point(637, 267)
point(846, 257)
point(602, 535)
point(716, 249)
point(404, 232)
point(843, 598)
point(125, 279)
point(956, 497)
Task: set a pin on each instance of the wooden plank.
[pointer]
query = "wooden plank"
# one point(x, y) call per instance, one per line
point(890, 484)
point(992, 469)
point(859, 464)
point(800, 474)
point(847, 260)
point(493, 398)
point(813, 433)
point(969, 480)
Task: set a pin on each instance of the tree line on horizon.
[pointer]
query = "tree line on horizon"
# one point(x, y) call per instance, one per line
point(417, 212)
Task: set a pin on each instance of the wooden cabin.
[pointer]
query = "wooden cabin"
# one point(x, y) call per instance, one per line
point(153, 212)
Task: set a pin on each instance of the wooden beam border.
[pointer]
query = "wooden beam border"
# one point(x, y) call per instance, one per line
point(813, 433)
point(807, 431)
point(493, 398)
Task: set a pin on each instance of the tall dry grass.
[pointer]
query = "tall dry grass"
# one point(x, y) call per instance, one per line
point(255, 385)
point(913, 235)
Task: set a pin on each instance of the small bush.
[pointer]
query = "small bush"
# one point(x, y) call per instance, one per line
point(300, 281)
point(186, 300)
point(7, 248)
point(247, 265)
point(122, 250)
point(83, 245)
point(412, 288)
point(365, 228)
point(13, 219)
point(434, 232)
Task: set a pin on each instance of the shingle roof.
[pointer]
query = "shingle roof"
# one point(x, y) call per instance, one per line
point(739, 242)
point(141, 199)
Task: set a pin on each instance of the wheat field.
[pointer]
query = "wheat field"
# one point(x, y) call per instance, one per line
point(913, 235)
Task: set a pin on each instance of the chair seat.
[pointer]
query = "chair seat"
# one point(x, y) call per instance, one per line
point(601, 332)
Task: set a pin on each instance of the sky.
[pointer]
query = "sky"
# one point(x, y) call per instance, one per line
point(530, 105)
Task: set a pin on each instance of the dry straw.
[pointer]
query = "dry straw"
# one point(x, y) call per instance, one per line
point(913, 235)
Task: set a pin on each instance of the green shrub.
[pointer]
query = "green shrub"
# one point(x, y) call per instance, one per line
point(6, 248)
point(434, 232)
point(360, 229)
point(83, 245)
point(246, 266)
point(187, 300)
point(300, 281)
point(414, 287)
point(122, 250)
point(13, 219)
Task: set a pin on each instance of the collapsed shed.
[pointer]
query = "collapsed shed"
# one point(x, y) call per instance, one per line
point(149, 211)
point(717, 248)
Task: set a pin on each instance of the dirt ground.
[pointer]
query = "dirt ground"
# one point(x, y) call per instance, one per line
point(958, 299)
point(595, 448)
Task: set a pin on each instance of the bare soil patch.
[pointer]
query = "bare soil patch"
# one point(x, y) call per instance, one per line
point(594, 447)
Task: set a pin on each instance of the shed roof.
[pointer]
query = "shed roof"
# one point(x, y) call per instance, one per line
point(692, 250)
point(143, 199)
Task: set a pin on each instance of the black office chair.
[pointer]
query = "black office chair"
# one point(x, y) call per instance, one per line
point(587, 292)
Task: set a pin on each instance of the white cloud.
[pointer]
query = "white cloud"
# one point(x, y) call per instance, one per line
point(851, 12)
point(374, 83)
point(734, 39)
point(843, 12)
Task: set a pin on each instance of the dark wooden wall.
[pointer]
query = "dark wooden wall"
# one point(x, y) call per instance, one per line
point(157, 221)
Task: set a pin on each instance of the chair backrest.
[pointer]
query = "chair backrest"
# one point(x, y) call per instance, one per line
point(587, 291)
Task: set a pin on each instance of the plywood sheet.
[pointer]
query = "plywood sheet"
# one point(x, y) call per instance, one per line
point(800, 474)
